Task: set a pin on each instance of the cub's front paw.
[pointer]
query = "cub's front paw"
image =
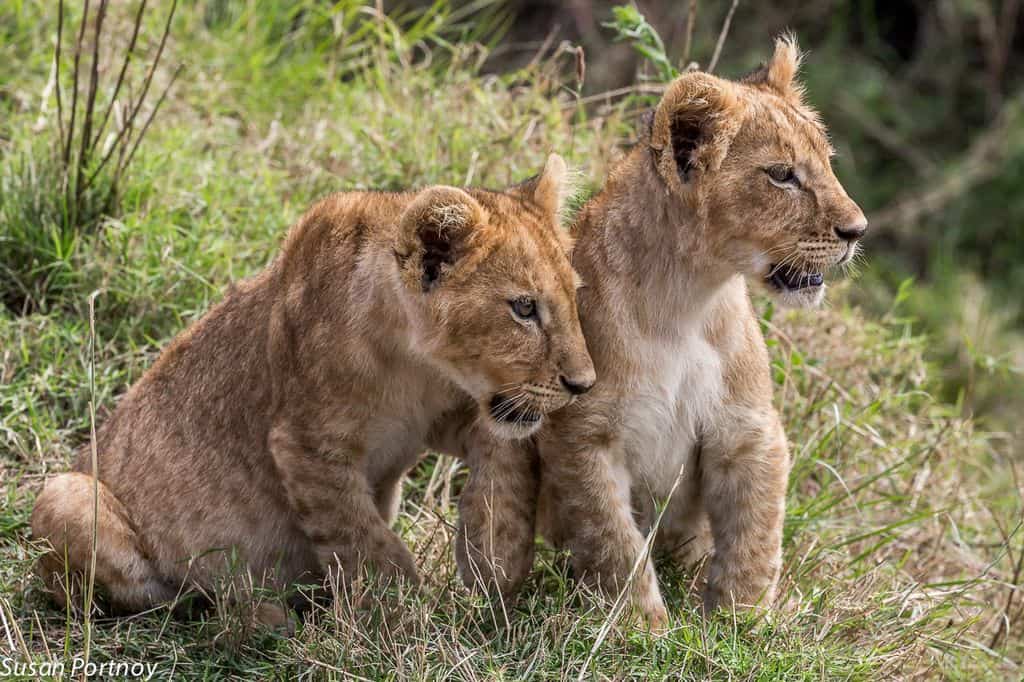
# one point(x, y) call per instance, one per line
point(398, 565)
point(738, 597)
point(655, 617)
point(390, 563)
point(648, 604)
point(494, 552)
point(274, 617)
point(652, 618)
point(735, 586)
point(711, 600)
point(493, 573)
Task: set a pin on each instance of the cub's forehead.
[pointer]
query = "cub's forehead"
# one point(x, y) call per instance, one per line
point(533, 247)
point(515, 220)
point(509, 210)
point(788, 123)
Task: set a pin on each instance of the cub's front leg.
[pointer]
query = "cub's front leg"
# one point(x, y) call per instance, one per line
point(585, 507)
point(498, 505)
point(337, 510)
point(497, 514)
point(745, 466)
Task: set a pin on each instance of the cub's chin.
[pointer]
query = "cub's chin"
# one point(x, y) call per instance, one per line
point(795, 288)
point(511, 420)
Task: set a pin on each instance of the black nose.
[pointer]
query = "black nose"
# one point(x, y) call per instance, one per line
point(574, 387)
point(851, 232)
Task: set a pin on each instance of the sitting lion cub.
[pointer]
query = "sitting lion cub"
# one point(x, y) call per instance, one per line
point(277, 429)
point(732, 181)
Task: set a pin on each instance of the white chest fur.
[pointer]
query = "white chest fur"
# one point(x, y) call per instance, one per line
point(676, 388)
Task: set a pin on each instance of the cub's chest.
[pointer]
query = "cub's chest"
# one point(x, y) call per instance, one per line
point(676, 387)
point(383, 409)
point(407, 406)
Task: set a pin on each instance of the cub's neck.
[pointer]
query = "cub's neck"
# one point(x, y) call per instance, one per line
point(637, 238)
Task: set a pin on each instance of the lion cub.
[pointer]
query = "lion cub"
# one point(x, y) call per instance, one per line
point(277, 429)
point(731, 182)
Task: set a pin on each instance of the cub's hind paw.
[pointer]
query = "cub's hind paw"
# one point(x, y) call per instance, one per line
point(274, 617)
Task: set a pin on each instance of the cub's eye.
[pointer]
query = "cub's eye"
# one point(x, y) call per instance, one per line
point(524, 307)
point(782, 174)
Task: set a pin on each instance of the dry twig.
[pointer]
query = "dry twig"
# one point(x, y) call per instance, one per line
point(722, 35)
point(691, 21)
point(80, 142)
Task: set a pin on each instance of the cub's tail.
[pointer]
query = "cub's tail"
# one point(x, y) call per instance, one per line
point(64, 516)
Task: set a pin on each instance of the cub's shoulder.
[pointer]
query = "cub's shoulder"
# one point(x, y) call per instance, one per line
point(342, 225)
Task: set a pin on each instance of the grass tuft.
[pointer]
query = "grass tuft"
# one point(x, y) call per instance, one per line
point(53, 196)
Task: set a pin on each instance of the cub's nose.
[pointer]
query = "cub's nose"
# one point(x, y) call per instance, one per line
point(853, 231)
point(577, 387)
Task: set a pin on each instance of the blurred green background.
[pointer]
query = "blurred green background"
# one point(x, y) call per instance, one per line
point(923, 99)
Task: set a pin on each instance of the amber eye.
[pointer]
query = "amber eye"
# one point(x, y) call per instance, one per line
point(782, 174)
point(524, 307)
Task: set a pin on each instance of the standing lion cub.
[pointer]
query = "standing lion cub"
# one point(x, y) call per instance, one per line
point(732, 182)
point(277, 429)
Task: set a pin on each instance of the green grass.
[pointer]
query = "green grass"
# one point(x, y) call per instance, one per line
point(902, 531)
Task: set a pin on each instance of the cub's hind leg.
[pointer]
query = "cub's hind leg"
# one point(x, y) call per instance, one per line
point(684, 536)
point(63, 515)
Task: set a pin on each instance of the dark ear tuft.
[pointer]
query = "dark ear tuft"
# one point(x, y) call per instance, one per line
point(686, 138)
point(435, 231)
point(437, 251)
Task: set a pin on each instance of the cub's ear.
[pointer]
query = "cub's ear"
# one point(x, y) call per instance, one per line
point(693, 126)
point(779, 72)
point(549, 189)
point(435, 232)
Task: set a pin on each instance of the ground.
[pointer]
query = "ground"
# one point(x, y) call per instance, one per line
point(902, 541)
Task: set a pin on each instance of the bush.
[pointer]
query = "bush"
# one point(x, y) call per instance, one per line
point(53, 198)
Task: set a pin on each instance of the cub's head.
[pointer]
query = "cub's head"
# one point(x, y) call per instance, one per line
point(754, 162)
point(491, 295)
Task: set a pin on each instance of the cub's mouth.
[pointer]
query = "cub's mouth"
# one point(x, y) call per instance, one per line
point(794, 287)
point(512, 417)
point(507, 410)
point(786, 278)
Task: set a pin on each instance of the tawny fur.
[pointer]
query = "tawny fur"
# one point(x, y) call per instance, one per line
point(273, 435)
point(685, 390)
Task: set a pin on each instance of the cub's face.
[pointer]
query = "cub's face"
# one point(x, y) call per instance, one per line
point(757, 161)
point(492, 295)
